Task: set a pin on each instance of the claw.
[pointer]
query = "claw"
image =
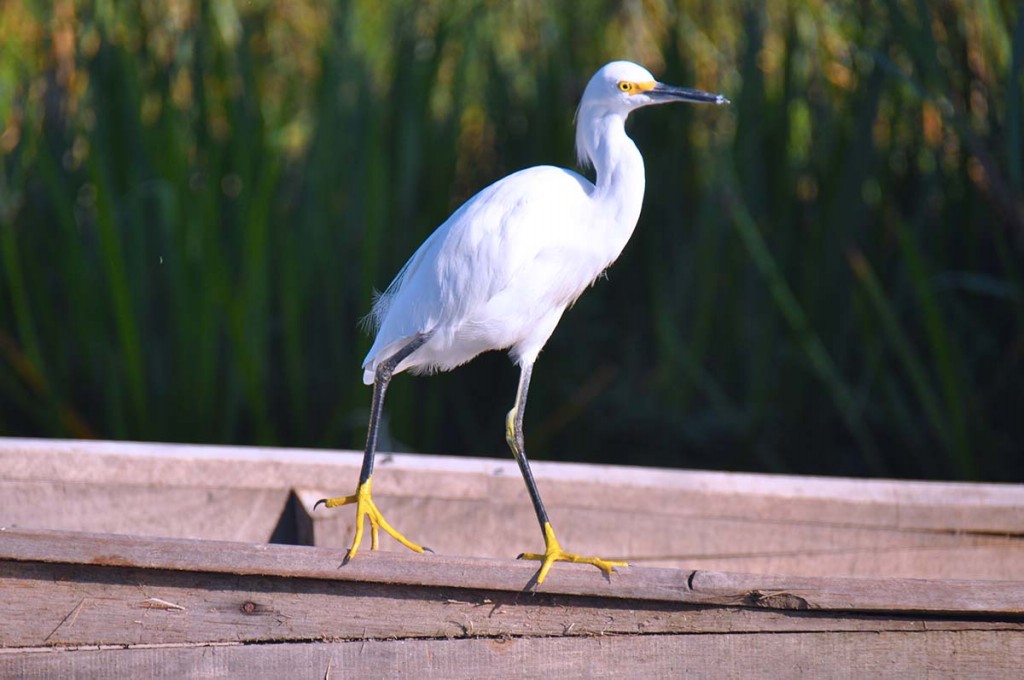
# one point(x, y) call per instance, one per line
point(366, 509)
point(553, 553)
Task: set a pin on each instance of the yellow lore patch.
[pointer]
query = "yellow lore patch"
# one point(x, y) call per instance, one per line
point(629, 87)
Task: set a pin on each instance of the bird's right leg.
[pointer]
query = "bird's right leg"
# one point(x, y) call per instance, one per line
point(365, 507)
point(553, 552)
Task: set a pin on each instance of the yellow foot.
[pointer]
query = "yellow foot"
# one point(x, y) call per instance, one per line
point(366, 508)
point(554, 553)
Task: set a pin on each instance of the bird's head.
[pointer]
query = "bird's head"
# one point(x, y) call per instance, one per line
point(617, 89)
point(622, 86)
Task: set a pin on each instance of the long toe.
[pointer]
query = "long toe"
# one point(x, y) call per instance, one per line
point(336, 502)
point(558, 555)
point(379, 521)
point(367, 511)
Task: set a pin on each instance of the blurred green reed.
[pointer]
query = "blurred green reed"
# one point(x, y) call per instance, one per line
point(198, 199)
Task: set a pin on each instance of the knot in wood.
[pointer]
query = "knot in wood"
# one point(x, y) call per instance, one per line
point(781, 600)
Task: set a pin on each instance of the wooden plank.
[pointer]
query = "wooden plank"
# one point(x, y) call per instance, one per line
point(227, 514)
point(718, 521)
point(806, 548)
point(409, 569)
point(78, 605)
point(898, 655)
point(981, 508)
point(503, 530)
point(168, 607)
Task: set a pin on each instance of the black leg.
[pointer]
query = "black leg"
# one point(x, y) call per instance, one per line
point(516, 442)
point(365, 507)
point(552, 550)
point(381, 380)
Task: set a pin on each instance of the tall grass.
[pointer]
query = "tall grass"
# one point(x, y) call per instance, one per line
point(197, 201)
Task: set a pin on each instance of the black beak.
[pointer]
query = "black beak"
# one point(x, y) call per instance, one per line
point(668, 93)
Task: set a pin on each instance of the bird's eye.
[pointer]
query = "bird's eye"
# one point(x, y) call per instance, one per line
point(625, 86)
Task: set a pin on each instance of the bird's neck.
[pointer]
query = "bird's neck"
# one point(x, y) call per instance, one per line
point(620, 182)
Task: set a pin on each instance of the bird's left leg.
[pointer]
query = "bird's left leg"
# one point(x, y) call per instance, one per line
point(365, 507)
point(514, 436)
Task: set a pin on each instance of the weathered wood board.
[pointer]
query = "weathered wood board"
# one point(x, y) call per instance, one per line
point(92, 605)
point(478, 507)
point(897, 655)
point(180, 581)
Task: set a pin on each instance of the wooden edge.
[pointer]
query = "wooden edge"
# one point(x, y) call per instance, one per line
point(912, 492)
point(410, 569)
point(959, 654)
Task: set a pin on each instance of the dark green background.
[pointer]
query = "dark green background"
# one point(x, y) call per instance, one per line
point(197, 200)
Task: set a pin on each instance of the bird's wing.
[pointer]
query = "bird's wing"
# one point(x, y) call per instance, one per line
point(476, 254)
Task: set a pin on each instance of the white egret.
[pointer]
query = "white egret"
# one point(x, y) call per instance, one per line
point(499, 273)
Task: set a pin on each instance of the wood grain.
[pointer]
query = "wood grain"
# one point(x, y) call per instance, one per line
point(477, 507)
point(72, 605)
point(410, 569)
point(228, 514)
point(897, 655)
point(985, 508)
point(146, 597)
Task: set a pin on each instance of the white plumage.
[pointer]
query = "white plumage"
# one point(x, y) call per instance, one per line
point(501, 270)
point(499, 273)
